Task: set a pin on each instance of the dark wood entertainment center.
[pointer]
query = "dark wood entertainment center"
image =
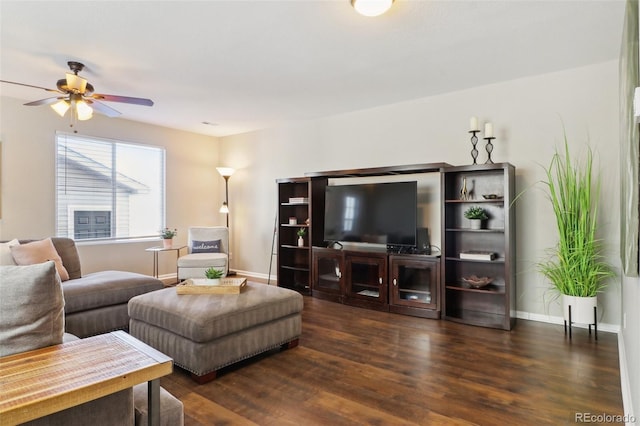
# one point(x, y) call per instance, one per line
point(425, 285)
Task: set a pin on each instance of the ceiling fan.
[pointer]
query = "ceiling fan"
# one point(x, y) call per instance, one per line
point(77, 95)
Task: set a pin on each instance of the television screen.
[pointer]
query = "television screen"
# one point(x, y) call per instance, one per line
point(380, 213)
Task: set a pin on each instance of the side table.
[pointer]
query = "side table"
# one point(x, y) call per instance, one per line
point(157, 250)
point(44, 381)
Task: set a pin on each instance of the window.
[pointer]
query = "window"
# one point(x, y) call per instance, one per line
point(108, 189)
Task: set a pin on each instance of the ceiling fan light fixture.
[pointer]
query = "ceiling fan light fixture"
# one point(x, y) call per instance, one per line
point(371, 7)
point(61, 107)
point(76, 83)
point(85, 112)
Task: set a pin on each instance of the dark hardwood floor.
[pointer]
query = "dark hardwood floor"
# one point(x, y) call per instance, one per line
point(356, 366)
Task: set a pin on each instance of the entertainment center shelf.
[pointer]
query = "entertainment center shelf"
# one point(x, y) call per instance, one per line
point(479, 291)
point(472, 291)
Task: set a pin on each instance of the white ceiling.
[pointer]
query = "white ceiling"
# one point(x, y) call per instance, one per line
point(247, 65)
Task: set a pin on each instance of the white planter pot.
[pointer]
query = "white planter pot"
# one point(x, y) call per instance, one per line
point(476, 223)
point(209, 281)
point(581, 308)
point(300, 242)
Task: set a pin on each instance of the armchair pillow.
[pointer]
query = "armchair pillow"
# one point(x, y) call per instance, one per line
point(31, 308)
point(205, 246)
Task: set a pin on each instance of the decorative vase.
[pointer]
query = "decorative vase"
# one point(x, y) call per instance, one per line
point(582, 311)
point(300, 242)
point(167, 243)
point(476, 223)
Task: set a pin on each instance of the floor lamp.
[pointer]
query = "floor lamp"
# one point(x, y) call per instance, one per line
point(226, 173)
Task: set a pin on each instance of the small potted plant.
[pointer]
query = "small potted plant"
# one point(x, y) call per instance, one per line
point(301, 233)
point(167, 235)
point(476, 215)
point(213, 276)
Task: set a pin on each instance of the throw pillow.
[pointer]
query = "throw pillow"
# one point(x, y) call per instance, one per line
point(205, 246)
point(31, 308)
point(39, 252)
point(5, 252)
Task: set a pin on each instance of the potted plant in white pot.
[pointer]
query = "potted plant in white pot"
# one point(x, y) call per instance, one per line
point(167, 235)
point(213, 276)
point(301, 233)
point(575, 267)
point(476, 215)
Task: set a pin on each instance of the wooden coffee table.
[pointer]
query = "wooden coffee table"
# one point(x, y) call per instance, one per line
point(44, 381)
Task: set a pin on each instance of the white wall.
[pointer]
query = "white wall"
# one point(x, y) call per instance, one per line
point(27, 170)
point(528, 115)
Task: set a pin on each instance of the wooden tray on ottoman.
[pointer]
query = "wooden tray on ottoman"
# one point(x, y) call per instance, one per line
point(226, 286)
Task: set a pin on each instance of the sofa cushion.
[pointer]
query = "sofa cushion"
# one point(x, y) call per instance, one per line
point(31, 308)
point(5, 252)
point(67, 250)
point(113, 409)
point(39, 252)
point(199, 260)
point(106, 288)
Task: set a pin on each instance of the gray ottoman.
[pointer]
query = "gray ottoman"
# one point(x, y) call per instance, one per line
point(205, 332)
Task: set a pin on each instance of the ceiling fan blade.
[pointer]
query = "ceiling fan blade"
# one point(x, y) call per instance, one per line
point(124, 99)
point(30, 85)
point(103, 109)
point(47, 101)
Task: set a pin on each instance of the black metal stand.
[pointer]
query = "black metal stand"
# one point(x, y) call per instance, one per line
point(595, 323)
point(489, 148)
point(474, 141)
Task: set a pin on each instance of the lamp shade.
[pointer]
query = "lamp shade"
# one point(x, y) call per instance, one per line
point(225, 171)
point(371, 7)
point(84, 111)
point(224, 208)
point(61, 107)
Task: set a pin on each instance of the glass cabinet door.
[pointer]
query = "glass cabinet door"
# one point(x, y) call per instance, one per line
point(366, 278)
point(327, 271)
point(414, 282)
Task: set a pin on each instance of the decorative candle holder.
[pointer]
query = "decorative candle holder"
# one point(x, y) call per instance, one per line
point(489, 150)
point(474, 141)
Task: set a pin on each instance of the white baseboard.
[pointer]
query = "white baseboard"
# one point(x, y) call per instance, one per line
point(627, 401)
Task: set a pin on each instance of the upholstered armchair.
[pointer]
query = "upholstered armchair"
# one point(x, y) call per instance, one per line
point(207, 247)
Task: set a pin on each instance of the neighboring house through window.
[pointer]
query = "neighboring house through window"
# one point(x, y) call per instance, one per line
point(108, 189)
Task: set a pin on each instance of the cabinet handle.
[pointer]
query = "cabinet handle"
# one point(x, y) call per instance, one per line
point(395, 281)
point(380, 280)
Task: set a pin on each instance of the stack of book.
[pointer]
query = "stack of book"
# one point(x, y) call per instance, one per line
point(477, 255)
point(298, 200)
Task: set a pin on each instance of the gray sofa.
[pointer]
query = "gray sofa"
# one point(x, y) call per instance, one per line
point(32, 316)
point(97, 303)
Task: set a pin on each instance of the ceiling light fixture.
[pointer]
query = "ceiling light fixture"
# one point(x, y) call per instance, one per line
point(80, 109)
point(371, 7)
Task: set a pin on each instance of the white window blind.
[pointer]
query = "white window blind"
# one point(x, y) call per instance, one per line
point(108, 189)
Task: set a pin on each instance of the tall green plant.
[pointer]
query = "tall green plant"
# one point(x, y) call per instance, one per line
point(576, 267)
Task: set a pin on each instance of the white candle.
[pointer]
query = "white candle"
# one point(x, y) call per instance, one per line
point(473, 124)
point(488, 130)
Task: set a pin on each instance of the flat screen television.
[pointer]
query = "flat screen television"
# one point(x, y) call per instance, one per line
point(378, 213)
